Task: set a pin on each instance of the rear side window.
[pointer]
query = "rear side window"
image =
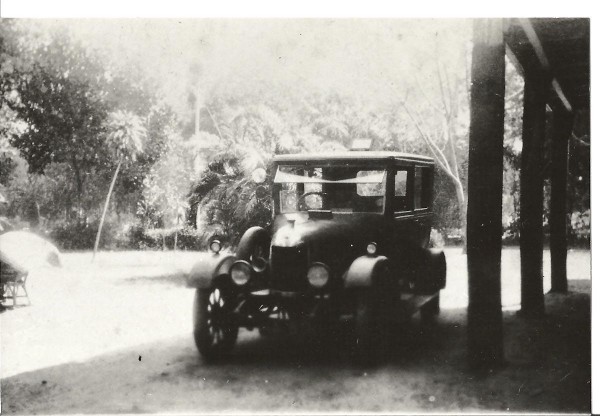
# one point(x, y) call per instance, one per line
point(422, 187)
point(400, 187)
point(400, 183)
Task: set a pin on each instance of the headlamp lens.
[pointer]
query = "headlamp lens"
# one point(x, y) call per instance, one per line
point(215, 246)
point(241, 272)
point(318, 275)
point(371, 248)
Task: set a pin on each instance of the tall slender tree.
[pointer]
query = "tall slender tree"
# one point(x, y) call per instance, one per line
point(126, 138)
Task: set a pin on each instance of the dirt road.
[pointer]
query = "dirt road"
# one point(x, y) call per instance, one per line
point(114, 337)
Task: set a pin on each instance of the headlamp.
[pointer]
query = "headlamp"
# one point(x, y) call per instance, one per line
point(240, 272)
point(215, 246)
point(371, 249)
point(318, 275)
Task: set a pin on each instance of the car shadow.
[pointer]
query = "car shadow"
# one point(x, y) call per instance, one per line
point(528, 343)
point(408, 344)
point(178, 279)
point(548, 368)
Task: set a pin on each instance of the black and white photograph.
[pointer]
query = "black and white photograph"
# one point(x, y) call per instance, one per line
point(269, 215)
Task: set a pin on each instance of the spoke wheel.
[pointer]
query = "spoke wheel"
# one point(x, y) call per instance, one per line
point(215, 331)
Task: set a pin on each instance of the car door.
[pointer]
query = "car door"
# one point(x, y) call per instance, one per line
point(422, 203)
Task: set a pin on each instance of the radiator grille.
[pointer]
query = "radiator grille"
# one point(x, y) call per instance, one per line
point(289, 267)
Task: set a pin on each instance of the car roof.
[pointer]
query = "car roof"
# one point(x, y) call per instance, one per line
point(375, 156)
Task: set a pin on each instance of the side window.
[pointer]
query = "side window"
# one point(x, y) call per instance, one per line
point(400, 183)
point(422, 187)
point(373, 185)
point(400, 186)
point(288, 197)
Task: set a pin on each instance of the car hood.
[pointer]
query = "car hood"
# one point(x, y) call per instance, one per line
point(330, 240)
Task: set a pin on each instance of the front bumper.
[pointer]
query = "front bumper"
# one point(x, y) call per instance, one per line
point(277, 294)
point(267, 307)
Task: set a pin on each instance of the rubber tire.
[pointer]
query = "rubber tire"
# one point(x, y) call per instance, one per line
point(430, 310)
point(440, 271)
point(210, 351)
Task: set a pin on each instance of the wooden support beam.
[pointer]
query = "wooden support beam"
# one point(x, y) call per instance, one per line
point(543, 59)
point(484, 213)
point(562, 127)
point(537, 85)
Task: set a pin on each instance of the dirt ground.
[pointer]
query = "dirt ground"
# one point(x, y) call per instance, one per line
point(115, 337)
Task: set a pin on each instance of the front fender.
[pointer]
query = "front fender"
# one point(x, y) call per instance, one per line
point(208, 268)
point(363, 270)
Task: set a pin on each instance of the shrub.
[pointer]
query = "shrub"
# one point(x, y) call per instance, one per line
point(188, 238)
point(580, 228)
point(138, 238)
point(81, 235)
point(436, 238)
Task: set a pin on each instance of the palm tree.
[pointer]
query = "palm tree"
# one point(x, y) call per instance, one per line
point(249, 135)
point(126, 136)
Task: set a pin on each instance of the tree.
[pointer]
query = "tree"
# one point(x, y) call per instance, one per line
point(225, 198)
point(126, 136)
point(56, 99)
point(62, 102)
point(168, 184)
point(437, 111)
point(513, 143)
point(9, 123)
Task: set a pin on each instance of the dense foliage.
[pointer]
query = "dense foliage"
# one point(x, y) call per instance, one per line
point(71, 117)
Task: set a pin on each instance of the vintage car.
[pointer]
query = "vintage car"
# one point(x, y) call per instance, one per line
point(348, 242)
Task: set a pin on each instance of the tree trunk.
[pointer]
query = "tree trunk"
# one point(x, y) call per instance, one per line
point(458, 187)
point(462, 205)
point(110, 190)
point(79, 182)
point(176, 233)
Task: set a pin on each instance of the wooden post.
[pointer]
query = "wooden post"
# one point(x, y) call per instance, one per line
point(532, 194)
point(484, 212)
point(562, 126)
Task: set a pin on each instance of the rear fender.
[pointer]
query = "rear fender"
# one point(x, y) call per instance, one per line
point(363, 271)
point(209, 268)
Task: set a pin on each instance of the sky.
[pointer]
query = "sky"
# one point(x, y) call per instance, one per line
point(359, 57)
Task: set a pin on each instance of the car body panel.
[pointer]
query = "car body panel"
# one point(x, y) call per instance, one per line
point(338, 240)
point(208, 267)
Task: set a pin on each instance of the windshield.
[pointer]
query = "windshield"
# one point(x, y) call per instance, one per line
point(342, 189)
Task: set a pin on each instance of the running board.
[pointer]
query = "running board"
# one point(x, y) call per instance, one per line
point(411, 303)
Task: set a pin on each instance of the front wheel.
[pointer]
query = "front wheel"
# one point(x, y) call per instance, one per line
point(215, 331)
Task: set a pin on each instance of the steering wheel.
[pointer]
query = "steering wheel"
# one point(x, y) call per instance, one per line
point(301, 200)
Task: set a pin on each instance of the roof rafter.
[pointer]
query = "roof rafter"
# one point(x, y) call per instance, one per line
point(535, 42)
